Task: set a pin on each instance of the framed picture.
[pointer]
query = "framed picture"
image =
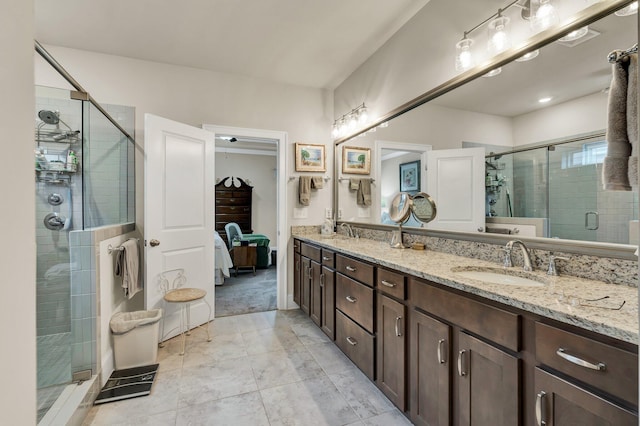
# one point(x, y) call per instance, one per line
point(310, 158)
point(410, 176)
point(356, 160)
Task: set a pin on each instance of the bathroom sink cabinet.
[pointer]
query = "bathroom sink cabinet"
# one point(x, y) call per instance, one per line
point(446, 357)
point(328, 294)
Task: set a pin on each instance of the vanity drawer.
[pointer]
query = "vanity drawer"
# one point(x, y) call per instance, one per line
point(492, 323)
point(355, 300)
point(328, 258)
point(391, 283)
point(355, 269)
point(565, 351)
point(312, 252)
point(356, 343)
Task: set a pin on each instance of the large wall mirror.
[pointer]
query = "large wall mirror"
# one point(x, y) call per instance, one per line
point(536, 166)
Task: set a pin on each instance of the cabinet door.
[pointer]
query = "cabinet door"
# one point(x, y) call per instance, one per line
point(429, 372)
point(328, 313)
point(560, 403)
point(297, 273)
point(305, 281)
point(488, 384)
point(391, 375)
point(315, 304)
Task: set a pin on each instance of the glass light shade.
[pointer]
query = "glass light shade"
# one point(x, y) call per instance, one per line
point(528, 56)
point(464, 57)
point(352, 122)
point(493, 72)
point(545, 16)
point(342, 127)
point(335, 130)
point(629, 10)
point(575, 34)
point(384, 124)
point(499, 39)
point(363, 115)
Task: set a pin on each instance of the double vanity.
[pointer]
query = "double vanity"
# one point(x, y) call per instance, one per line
point(458, 340)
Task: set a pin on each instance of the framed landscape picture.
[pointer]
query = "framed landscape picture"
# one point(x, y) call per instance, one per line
point(310, 158)
point(356, 160)
point(410, 176)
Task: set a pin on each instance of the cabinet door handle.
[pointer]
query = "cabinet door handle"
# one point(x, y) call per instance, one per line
point(461, 367)
point(352, 341)
point(351, 299)
point(350, 268)
point(297, 266)
point(398, 333)
point(541, 408)
point(581, 362)
point(441, 359)
point(321, 280)
point(326, 258)
point(387, 283)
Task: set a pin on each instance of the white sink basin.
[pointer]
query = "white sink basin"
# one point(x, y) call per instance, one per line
point(498, 276)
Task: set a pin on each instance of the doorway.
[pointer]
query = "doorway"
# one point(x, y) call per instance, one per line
point(257, 158)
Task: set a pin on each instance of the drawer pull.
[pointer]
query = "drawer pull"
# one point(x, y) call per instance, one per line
point(387, 283)
point(581, 362)
point(321, 280)
point(541, 408)
point(326, 258)
point(352, 341)
point(441, 360)
point(461, 367)
point(351, 299)
point(350, 268)
point(398, 333)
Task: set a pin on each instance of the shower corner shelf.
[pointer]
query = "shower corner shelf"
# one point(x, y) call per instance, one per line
point(54, 176)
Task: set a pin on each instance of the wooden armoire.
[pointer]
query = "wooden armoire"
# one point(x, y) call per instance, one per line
point(233, 204)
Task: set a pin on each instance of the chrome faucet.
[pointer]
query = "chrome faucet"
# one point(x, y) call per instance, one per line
point(350, 231)
point(508, 261)
point(553, 270)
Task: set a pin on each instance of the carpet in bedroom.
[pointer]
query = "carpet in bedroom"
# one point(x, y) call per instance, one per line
point(247, 293)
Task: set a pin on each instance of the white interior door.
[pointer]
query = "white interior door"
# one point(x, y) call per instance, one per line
point(455, 180)
point(179, 212)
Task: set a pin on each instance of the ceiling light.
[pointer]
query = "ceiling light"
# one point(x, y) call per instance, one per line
point(575, 34)
point(363, 115)
point(493, 72)
point(528, 56)
point(545, 16)
point(499, 39)
point(464, 57)
point(545, 100)
point(629, 10)
point(350, 121)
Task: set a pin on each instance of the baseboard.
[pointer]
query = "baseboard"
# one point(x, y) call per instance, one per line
point(290, 303)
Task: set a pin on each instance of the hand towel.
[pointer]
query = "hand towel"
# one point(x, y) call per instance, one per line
point(363, 196)
point(354, 184)
point(128, 266)
point(317, 182)
point(304, 190)
point(615, 166)
point(632, 118)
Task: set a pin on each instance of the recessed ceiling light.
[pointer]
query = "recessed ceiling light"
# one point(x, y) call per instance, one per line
point(575, 34)
point(629, 10)
point(544, 100)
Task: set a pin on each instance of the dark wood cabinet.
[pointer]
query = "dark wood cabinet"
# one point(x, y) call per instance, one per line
point(391, 357)
point(297, 274)
point(356, 343)
point(562, 403)
point(328, 305)
point(315, 290)
point(488, 384)
point(305, 284)
point(429, 371)
point(233, 204)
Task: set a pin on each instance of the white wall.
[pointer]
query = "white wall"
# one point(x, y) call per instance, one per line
point(260, 171)
point(18, 251)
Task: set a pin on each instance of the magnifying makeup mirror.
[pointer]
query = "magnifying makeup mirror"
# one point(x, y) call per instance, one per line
point(403, 205)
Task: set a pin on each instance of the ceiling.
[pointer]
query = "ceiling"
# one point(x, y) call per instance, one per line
point(301, 42)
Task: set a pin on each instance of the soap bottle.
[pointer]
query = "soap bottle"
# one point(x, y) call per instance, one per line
point(72, 161)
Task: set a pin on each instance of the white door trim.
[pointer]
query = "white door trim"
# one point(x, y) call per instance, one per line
point(282, 229)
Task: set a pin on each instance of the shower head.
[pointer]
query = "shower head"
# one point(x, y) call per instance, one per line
point(495, 157)
point(48, 117)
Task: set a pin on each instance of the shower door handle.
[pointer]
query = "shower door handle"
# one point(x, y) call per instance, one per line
point(586, 221)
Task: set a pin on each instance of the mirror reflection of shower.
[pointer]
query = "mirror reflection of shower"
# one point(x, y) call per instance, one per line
point(496, 187)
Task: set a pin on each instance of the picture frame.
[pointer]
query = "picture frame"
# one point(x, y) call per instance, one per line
point(410, 176)
point(356, 160)
point(310, 158)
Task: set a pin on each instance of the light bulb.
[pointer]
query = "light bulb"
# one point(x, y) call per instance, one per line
point(352, 122)
point(575, 34)
point(363, 116)
point(335, 130)
point(629, 10)
point(464, 58)
point(545, 17)
point(528, 56)
point(499, 39)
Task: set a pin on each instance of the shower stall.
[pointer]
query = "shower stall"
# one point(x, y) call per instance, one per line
point(84, 179)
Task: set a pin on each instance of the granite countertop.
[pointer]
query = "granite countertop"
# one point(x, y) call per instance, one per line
point(561, 298)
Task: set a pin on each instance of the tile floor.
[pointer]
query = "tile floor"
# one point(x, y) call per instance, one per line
point(266, 368)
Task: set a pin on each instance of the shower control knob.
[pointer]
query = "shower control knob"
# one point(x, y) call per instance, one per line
point(55, 199)
point(154, 243)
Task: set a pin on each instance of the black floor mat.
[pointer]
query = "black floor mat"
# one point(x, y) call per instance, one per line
point(128, 383)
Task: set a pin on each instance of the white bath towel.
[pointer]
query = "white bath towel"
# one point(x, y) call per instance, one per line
point(128, 267)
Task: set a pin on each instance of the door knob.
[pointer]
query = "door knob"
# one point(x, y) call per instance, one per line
point(154, 243)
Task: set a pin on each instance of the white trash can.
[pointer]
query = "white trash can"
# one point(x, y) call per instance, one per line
point(135, 338)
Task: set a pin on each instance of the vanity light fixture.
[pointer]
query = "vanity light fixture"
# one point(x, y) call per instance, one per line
point(528, 56)
point(499, 39)
point(575, 34)
point(545, 16)
point(464, 57)
point(350, 121)
point(629, 10)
